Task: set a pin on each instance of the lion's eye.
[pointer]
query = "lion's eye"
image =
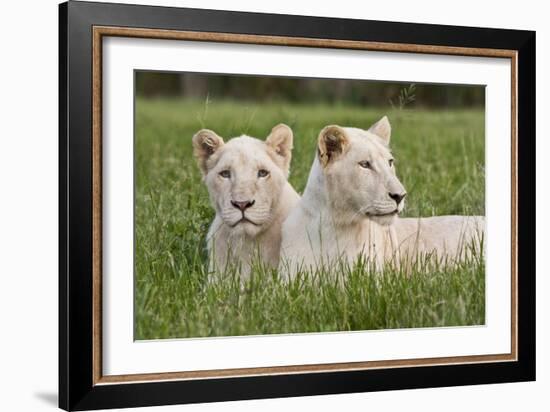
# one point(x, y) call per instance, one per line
point(390, 162)
point(226, 174)
point(262, 173)
point(365, 164)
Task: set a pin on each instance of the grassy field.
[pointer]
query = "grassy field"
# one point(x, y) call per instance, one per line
point(439, 158)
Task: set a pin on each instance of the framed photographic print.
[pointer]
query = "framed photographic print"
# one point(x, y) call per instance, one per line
point(257, 205)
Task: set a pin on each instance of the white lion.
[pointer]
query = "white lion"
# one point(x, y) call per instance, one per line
point(350, 206)
point(247, 183)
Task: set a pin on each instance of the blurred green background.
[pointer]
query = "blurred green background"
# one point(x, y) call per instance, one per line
point(305, 90)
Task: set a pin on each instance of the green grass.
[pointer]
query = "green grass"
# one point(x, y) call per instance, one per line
point(439, 158)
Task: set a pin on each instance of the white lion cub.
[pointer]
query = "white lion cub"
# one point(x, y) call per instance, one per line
point(247, 183)
point(350, 207)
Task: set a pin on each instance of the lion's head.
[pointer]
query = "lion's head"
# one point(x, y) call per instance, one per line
point(359, 173)
point(245, 176)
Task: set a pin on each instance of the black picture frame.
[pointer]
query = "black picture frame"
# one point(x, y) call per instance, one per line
point(77, 390)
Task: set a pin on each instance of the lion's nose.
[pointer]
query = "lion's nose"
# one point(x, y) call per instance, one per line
point(398, 197)
point(242, 206)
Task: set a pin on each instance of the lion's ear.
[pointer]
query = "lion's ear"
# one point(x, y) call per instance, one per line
point(382, 129)
point(205, 144)
point(280, 140)
point(332, 142)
